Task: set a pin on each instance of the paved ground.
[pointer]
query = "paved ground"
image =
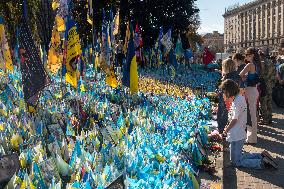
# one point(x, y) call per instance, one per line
point(270, 138)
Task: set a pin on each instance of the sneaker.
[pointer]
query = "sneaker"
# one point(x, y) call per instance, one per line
point(266, 154)
point(250, 143)
point(263, 122)
point(266, 162)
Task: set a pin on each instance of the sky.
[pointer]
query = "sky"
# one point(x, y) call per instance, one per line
point(211, 12)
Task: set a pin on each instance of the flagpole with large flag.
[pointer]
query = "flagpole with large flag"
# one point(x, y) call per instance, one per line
point(5, 54)
point(55, 55)
point(127, 36)
point(207, 56)
point(130, 73)
point(73, 52)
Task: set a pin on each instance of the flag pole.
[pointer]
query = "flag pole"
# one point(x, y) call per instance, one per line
point(93, 55)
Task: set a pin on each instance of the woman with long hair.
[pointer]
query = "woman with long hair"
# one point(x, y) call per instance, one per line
point(250, 74)
point(229, 71)
point(238, 58)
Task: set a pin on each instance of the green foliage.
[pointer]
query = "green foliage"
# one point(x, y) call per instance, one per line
point(79, 12)
point(12, 11)
point(150, 14)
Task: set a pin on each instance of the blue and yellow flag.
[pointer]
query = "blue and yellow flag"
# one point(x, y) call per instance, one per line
point(133, 76)
point(173, 59)
point(111, 79)
point(90, 12)
point(55, 56)
point(161, 33)
point(73, 52)
point(116, 24)
point(111, 37)
point(129, 57)
point(60, 24)
point(179, 50)
point(6, 62)
point(104, 42)
point(167, 40)
point(55, 4)
point(127, 37)
point(37, 178)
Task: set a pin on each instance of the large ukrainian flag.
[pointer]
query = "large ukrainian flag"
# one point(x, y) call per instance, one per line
point(73, 52)
point(130, 73)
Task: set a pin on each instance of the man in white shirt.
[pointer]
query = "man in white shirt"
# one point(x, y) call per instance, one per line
point(236, 131)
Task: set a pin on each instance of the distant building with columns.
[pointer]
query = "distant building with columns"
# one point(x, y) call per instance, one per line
point(214, 40)
point(259, 23)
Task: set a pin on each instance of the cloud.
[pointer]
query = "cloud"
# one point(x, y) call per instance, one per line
point(210, 28)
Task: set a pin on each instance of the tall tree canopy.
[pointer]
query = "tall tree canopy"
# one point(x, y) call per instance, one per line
point(152, 14)
point(180, 15)
point(40, 19)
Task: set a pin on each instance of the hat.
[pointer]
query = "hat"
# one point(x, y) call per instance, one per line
point(282, 43)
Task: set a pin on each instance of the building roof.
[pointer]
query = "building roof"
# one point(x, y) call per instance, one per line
point(244, 7)
point(210, 35)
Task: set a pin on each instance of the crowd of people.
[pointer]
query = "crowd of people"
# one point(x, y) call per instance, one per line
point(245, 100)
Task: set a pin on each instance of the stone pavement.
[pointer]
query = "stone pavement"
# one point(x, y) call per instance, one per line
point(271, 139)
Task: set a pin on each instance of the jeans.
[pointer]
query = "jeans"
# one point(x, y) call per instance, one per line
point(248, 160)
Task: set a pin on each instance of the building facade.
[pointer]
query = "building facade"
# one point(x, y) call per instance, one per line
point(214, 41)
point(256, 24)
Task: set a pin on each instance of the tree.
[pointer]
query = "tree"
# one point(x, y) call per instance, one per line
point(45, 22)
point(40, 19)
point(152, 14)
point(79, 12)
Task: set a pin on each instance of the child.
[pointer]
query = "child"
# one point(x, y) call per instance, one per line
point(236, 131)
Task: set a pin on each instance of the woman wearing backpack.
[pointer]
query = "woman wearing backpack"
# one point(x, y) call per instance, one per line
point(250, 74)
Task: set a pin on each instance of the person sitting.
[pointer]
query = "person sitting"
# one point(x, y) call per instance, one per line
point(235, 131)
